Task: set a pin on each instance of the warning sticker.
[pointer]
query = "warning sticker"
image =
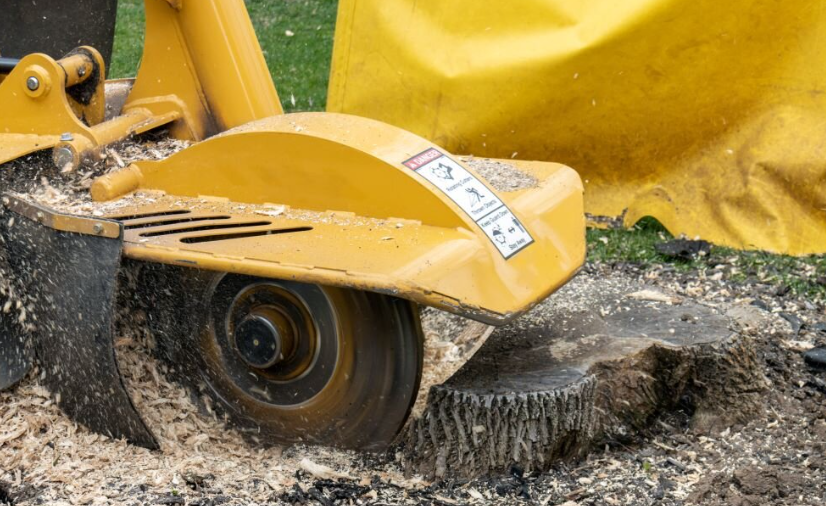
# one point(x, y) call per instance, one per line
point(506, 231)
point(476, 199)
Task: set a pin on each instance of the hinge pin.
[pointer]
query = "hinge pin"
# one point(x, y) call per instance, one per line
point(32, 83)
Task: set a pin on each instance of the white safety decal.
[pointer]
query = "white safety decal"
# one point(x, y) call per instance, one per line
point(491, 214)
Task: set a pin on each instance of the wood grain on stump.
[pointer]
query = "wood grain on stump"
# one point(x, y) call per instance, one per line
point(599, 360)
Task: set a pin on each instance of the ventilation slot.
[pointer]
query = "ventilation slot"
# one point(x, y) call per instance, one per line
point(242, 235)
point(204, 228)
point(127, 217)
point(173, 221)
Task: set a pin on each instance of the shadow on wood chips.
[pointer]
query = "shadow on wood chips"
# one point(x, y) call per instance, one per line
point(5, 497)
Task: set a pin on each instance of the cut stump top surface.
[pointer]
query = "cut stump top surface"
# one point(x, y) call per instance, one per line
point(554, 345)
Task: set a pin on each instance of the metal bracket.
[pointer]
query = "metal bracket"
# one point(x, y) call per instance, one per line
point(62, 222)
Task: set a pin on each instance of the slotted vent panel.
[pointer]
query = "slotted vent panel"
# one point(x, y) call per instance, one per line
point(204, 228)
point(242, 235)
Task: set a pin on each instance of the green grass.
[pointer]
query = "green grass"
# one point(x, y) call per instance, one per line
point(126, 52)
point(300, 63)
point(804, 276)
point(636, 245)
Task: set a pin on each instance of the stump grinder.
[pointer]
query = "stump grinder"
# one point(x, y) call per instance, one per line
point(295, 249)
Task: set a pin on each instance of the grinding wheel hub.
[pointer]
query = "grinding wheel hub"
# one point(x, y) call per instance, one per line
point(295, 362)
point(269, 345)
point(258, 341)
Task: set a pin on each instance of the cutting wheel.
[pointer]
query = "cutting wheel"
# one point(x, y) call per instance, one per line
point(294, 362)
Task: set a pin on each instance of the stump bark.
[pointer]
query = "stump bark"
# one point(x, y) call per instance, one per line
point(598, 361)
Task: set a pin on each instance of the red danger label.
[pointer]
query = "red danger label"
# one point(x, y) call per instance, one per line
point(421, 159)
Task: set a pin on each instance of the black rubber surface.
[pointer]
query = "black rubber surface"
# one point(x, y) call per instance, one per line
point(72, 280)
point(56, 27)
point(15, 351)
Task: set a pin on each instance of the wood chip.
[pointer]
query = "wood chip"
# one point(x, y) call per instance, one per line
point(652, 295)
point(321, 471)
point(11, 436)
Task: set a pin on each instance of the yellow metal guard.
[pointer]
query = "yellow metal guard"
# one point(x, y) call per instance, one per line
point(355, 215)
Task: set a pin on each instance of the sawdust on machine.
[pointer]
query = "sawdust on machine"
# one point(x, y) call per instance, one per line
point(502, 176)
point(68, 191)
point(68, 465)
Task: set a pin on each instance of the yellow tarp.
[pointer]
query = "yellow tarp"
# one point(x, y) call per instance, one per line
point(709, 115)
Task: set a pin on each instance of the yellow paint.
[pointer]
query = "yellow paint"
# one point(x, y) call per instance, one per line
point(708, 115)
point(202, 70)
point(62, 222)
point(357, 217)
point(205, 57)
point(376, 224)
point(79, 68)
point(34, 120)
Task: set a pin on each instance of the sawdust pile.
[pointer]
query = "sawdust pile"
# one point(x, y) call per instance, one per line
point(44, 455)
point(47, 458)
point(53, 459)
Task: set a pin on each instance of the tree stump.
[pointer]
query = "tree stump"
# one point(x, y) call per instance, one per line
point(599, 360)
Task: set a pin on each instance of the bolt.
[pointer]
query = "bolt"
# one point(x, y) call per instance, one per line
point(40, 216)
point(66, 137)
point(81, 71)
point(63, 156)
point(98, 228)
point(32, 83)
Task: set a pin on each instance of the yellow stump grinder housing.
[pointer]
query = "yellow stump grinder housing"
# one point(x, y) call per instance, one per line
point(294, 249)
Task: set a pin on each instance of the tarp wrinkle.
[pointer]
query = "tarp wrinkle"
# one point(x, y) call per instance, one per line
point(709, 116)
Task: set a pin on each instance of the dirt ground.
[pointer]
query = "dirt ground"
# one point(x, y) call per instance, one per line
point(778, 458)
